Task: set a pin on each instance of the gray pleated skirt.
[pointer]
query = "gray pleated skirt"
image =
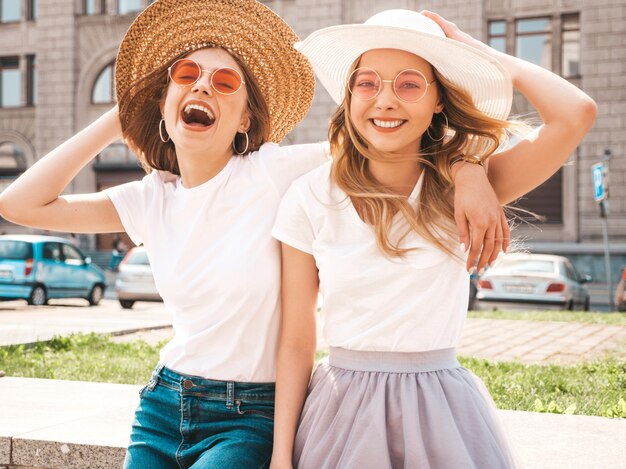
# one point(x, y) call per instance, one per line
point(399, 410)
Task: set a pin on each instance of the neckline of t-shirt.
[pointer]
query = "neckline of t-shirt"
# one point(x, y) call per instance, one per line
point(412, 198)
point(224, 172)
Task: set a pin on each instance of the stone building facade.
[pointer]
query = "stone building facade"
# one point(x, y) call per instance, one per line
point(56, 72)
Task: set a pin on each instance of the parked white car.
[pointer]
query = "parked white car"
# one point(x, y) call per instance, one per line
point(539, 280)
point(135, 281)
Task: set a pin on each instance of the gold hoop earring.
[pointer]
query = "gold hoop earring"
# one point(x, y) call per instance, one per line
point(161, 122)
point(443, 134)
point(235, 144)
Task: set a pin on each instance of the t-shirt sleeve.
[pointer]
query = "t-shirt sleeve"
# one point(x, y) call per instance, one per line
point(293, 225)
point(287, 163)
point(130, 202)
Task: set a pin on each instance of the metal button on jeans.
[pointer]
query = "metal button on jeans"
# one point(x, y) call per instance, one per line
point(187, 384)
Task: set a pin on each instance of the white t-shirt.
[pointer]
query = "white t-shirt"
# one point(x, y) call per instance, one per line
point(214, 260)
point(373, 302)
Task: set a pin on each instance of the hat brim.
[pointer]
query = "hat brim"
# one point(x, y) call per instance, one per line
point(333, 50)
point(168, 28)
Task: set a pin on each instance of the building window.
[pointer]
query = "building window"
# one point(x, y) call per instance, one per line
point(93, 7)
point(33, 10)
point(10, 11)
point(497, 35)
point(12, 159)
point(570, 46)
point(12, 163)
point(31, 80)
point(104, 88)
point(10, 84)
point(533, 41)
point(116, 156)
point(129, 6)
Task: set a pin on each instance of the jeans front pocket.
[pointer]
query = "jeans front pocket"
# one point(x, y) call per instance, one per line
point(260, 408)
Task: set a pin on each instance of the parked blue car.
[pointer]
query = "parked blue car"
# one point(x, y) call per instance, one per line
point(37, 268)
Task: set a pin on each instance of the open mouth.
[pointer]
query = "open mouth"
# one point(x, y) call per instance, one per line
point(387, 124)
point(197, 115)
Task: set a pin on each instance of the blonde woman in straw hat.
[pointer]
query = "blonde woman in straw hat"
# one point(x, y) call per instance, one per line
point(373, 230)
point(204, 87)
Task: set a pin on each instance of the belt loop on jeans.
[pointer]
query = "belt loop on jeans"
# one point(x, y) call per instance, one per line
point(154, 380)
point(230, 394)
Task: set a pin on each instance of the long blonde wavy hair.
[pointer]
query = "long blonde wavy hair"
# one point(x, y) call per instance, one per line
point(469, 132)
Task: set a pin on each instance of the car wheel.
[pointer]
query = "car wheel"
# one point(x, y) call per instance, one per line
point(570, 305)
point(38, 296)
point(127, 304)
point(587, 304)
point(95, 295)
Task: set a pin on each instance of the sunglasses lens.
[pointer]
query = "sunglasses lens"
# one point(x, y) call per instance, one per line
point(226, 80)
point(185, 72)
point(410, 85)
point(364, 83)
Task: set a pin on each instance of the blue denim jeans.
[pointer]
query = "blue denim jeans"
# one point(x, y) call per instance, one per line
point(187, 422)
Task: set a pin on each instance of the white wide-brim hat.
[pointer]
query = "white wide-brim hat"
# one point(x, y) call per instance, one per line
point(334, 49)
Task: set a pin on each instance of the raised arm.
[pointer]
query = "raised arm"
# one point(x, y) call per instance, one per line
point(296, 349)
point(35, 199)
point(567, 114)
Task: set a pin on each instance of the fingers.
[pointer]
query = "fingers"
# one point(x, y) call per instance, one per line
point(443, 23)
point(497, 244)
point(506, 233)
point(478, 235)
point(488, 243)
point(462, 227)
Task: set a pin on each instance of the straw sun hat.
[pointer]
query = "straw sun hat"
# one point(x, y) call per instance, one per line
point(333, 50)
point(169, 28)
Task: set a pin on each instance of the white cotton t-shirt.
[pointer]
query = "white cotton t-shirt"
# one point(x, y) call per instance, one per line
point(373, 302)
point(214, 260)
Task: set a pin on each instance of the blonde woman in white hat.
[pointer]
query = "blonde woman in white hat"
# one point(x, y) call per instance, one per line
point(373, 231)
point(203, 87)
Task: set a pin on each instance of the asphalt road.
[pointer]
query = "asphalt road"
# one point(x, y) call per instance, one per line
point(21, 324)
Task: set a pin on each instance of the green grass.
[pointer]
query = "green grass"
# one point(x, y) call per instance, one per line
point(613, 319)
point(591, 388)
point(82, 357)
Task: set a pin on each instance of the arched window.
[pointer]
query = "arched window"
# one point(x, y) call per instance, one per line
point(12, 163)
point(104, 88)
point(128, 6)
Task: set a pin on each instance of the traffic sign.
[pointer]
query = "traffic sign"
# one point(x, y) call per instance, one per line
point(600, 183)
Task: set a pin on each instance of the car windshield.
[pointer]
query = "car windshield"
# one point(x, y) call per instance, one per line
point(15, 250)
point(526, 265)
point(138, 258)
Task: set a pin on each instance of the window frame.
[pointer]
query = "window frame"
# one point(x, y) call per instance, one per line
point(31, 80)
point(3, 67)
point(548, 32)
point(99, 7)
point(32, 10)
point(563, 30)
point(15, 21)
point(111, 83)
point(142, 6)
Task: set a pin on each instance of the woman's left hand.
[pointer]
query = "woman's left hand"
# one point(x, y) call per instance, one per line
point(452, 31)
point(479, 217)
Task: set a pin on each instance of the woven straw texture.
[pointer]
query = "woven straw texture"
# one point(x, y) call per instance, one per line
point(169, 28)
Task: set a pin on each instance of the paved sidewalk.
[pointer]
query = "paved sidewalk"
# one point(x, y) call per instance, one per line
point(506, 340)
point(493, 339)
point(540, 342)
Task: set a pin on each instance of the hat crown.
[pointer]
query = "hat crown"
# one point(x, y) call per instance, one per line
point(406, 19)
